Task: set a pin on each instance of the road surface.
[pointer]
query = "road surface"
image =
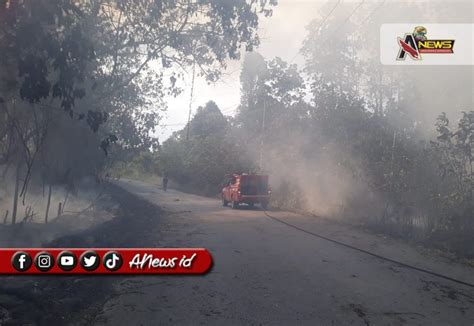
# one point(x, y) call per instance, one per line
point(266, 273)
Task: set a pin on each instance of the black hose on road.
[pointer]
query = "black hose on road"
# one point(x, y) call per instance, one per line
point(419, 269)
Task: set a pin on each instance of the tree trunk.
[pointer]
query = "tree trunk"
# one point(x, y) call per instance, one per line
point(47, 204)
point(65, 201)
point(15, 196)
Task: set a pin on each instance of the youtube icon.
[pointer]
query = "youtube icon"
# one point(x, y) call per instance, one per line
point(67, 261)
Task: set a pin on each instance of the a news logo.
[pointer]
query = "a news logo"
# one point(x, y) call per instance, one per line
point(416, 43)
point(426, 44)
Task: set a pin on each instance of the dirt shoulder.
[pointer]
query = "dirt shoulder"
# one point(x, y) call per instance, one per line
point(49, 300)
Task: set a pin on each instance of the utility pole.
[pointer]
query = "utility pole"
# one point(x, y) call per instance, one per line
point(262, 135)
point(191, 100)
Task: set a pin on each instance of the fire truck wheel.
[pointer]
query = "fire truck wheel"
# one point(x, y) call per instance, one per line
point(224, 202)
point(235, 204)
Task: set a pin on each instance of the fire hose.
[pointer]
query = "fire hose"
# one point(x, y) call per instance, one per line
point(399, 263)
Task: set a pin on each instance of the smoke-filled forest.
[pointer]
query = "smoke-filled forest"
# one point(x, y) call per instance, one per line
point(361, 172)
point(341, 135)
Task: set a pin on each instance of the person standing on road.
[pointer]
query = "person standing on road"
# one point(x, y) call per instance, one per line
point(165, 182)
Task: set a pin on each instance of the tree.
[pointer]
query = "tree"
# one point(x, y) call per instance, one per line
point(199, 161)
point(103, 63)
point(271, 86)
point(454, 149)
point(208, 120)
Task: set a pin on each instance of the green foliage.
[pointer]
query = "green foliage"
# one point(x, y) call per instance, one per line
point(42, 37)
point(275, 85)
point(199, 159)
point(141, 166)
point(103, 64)
point(454, 153)
point(207, 121)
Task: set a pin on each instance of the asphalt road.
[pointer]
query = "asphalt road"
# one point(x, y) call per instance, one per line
point(266, 273)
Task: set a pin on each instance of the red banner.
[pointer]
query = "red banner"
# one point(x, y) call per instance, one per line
point(104, 261)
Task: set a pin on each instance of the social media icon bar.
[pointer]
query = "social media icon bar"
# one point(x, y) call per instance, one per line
point(113, 261)
point(44, 261)
point(22, 261)
point(90, 261)
point(67, 261)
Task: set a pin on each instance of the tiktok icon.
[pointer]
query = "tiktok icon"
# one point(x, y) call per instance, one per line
point(113, 261)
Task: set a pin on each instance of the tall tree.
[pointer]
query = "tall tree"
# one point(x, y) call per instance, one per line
point(103, 63)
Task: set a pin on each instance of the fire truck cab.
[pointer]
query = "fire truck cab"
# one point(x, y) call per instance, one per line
point(244, 188)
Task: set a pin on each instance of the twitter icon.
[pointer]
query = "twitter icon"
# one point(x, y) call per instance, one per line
point(90, 260)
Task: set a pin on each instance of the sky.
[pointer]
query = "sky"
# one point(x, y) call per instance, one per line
point(281, 35)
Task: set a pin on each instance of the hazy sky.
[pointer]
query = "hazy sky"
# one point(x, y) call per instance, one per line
point(282, 35)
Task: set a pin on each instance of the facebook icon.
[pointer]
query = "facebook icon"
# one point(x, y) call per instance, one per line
point(21, 261)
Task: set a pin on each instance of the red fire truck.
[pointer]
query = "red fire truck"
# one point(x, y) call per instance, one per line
point(244, 188)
